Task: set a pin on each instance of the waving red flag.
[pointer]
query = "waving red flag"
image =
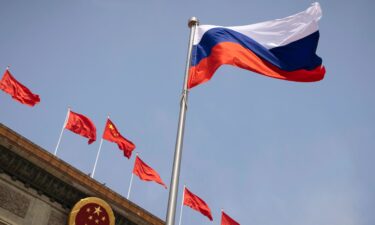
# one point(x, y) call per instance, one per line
point(81, 125)
point(196, 203)
point(146, 173)
point(18, 91)
point(226, 220)
point(111, 134)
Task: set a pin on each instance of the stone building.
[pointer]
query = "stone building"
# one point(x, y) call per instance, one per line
point(37, 188)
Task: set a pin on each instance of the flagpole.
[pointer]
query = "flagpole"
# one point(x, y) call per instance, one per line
point(182, 204)
point(131, 179)
point(130, 186)
point(173, 192)
point(222, 210)
point(97, 157)
point(62, 131)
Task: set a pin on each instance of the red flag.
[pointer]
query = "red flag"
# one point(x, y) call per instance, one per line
point(226, 220)
point(18, 91)
point(146, 173)
point(196, 203)
point(111, 134)
point(81, 125)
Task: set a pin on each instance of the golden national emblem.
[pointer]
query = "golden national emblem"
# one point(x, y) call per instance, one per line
point(91, 211)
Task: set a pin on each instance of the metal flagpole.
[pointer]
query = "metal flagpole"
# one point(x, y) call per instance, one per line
point(173, 192)
point(182, 204)
point(130, 186)
point(131, 180)
point(222, 210)
point(97, 157)
point(62, 131)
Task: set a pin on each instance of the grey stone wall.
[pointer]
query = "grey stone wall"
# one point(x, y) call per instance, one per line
point(13, 201)
point(56, 218)
point(20, 205)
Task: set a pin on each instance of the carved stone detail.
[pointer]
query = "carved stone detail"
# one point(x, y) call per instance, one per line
point(37, 178)
point(13, 201)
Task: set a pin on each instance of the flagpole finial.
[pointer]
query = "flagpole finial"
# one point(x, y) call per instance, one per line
point(193, 21)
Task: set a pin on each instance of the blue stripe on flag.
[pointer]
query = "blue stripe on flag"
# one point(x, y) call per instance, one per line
point(297, 55)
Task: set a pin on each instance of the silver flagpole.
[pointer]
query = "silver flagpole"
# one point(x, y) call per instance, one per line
point(130, 186)
point(131, 179)
point(62, 131)
point(173, 192)
point(97, 157)
point(182, 204)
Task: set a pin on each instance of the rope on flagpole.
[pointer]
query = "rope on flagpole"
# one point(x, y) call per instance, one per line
point(182, 204)
point(131, 179)
point(62, 131)
point(173, 191)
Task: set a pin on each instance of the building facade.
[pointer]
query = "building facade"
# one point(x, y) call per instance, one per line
point(37, 188)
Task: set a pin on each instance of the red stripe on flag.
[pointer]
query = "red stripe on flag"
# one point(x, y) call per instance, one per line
point(236, 55)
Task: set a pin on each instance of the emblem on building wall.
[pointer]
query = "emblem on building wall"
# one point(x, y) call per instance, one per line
point(91, 211)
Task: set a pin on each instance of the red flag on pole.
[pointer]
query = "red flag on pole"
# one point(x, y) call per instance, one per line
point(226, 220)
point(111, 134)
point(81, 125)
point(17, 90)
point(146, 173)
point(196, 203)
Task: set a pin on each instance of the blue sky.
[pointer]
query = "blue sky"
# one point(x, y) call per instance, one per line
point(268, 151)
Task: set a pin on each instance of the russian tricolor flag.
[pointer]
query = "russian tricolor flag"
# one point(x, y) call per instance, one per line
point(282, 48)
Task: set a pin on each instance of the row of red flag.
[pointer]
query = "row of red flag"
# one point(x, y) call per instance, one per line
point(83, 126)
